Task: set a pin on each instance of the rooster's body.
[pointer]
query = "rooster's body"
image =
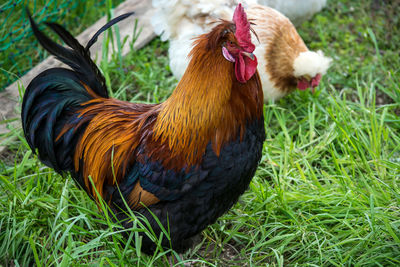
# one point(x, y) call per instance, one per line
point(285, 63)
point(185, 161)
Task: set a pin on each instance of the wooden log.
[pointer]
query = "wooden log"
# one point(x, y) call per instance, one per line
point(10, 98)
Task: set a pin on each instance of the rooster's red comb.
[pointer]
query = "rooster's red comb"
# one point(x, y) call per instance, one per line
point(242, 33)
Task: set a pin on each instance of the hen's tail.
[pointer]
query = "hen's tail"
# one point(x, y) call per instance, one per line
point(53, 97)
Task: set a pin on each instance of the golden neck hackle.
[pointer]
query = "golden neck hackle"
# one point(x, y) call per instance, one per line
point(208, 105)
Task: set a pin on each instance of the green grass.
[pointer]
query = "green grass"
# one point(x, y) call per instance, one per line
point(327, 191)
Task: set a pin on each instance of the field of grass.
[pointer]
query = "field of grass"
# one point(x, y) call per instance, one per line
point(327, 191)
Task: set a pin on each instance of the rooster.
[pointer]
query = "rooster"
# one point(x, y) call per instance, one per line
point(183, 162)
point(285, 63)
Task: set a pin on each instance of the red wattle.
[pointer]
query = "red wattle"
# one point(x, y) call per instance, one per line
point(315, 81)
point(245, 68)
point(303, 84)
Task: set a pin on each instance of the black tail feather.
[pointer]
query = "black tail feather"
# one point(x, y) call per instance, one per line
point(53, 98)
point(77, 57)
point(105, 27)
point(50, 102)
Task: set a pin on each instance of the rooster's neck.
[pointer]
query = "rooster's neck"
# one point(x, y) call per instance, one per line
point(208, 105)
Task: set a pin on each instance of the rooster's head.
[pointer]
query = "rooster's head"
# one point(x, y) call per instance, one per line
point(237, 46)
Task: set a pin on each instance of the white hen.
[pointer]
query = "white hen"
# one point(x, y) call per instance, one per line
point(297, 11)
point(284, 60)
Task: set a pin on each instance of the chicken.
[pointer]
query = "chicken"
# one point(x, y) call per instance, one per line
point(297, 11)
point(185, 161)
point(285, 63)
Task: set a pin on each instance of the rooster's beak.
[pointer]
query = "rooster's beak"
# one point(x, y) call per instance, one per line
point(250, 55)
